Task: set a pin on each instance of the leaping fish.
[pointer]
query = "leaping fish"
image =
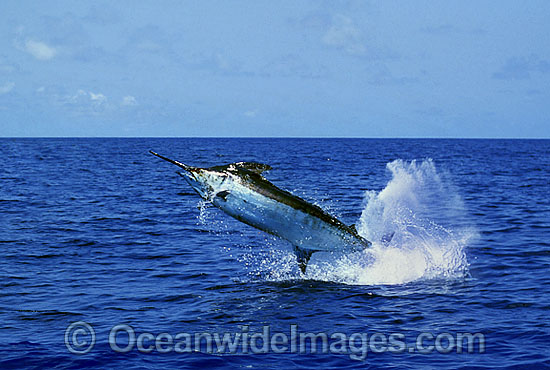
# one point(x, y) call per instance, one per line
point(240, 190)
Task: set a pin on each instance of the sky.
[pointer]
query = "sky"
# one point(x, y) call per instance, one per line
point(275, 68)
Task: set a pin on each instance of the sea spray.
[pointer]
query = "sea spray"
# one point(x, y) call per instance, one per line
point(423, 210)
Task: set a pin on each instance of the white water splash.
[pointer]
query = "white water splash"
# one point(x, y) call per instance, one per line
point(427, 216)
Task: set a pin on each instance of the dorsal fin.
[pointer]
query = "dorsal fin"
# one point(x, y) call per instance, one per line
point(352, 226)
point(249, 166)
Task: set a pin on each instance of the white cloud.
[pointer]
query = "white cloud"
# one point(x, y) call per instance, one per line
point(98, 98)
point(80, 94)
point(7, 87)
point(84, 102)
point(129, 101)
point(250, 113)
point(40, 50)
point(344, 34)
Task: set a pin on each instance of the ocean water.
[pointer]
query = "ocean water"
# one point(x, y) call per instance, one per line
point(99, 235)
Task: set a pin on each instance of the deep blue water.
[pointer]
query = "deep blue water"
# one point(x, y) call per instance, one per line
point(100, 231)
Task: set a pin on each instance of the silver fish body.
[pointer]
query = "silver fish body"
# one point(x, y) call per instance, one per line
point(240, 190)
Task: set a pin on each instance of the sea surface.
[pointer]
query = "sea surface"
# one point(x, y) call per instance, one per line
point(104, 249)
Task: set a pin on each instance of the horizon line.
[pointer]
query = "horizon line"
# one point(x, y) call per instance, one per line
point(278, 137)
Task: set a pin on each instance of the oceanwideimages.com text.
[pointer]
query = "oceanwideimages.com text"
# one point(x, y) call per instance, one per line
point(80, 338)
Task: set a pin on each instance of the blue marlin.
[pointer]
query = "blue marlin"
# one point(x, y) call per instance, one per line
point(240, 190)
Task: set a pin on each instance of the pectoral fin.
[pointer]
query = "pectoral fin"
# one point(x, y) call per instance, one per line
point(223, 194)
point(303, 256)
